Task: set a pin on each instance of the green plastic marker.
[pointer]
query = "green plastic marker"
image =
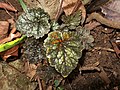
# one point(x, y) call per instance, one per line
point(11, 44)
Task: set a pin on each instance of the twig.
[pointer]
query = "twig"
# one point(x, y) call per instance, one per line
point(101, 48)
point(92, 25)
point(103, 20)
point(116, 49)
point(90, 67)
point(8, 13)
point(59, 10)
point(39, 83)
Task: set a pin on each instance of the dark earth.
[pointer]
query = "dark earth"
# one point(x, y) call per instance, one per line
point(107, 79)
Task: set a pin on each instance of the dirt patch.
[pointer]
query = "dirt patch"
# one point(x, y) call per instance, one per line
point(90, 80)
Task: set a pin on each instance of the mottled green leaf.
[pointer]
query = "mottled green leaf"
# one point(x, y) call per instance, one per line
point(85, 36)
point(72, 21)
point(34, 22)
point(63, 49)
point(33, 50)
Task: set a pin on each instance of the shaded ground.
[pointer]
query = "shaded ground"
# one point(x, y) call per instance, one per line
point(89, 80)
point(108, 60)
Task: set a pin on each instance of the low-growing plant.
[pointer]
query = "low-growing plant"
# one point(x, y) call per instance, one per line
point(64, 43)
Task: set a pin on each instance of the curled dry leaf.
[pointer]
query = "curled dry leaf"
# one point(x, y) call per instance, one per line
point(4, 27)
point(7, 6)
point(11, 52)
point(4, 37)
point(11, 36)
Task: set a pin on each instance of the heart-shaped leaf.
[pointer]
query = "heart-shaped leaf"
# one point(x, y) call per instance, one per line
point(63, 49)
point(34, 22)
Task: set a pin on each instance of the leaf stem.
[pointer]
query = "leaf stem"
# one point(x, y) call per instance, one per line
point(11, 44)
point(24, 7)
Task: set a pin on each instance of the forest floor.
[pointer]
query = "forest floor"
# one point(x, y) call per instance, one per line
point(103, 57)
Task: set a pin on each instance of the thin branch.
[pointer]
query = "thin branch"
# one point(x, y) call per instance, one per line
point(103, 20)
point(59, 10)
point(39, 83)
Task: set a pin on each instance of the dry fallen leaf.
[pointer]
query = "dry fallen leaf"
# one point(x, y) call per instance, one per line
point(3, 29)
point(30, 69)
point(70, 6)
point(4, 37)
point(11, 52)
point(7, 6)
point(5, 26)
point(112, 10)
point(50, 6)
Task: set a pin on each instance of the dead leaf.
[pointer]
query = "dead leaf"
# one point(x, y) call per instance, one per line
point(49, 88)
point(70, 6)
point(11, 52)
point(50, 6)
point(112, 10)
point(30, 69)
point(4, 25)
point(11, 36)
point(7, 6)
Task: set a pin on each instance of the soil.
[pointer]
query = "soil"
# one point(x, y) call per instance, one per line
point(89, 79)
